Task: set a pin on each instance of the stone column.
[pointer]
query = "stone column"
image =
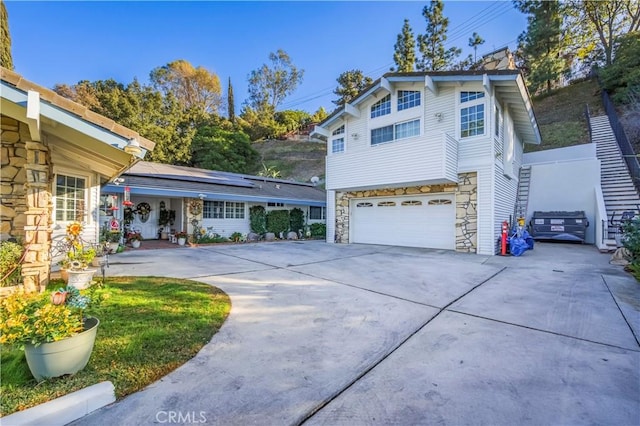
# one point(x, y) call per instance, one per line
point(467, 213)
point(26, 199)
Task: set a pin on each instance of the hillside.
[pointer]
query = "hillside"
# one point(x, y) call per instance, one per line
point(296, 160)
point(561, 116)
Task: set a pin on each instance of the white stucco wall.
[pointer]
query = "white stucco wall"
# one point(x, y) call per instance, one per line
point(558, 184)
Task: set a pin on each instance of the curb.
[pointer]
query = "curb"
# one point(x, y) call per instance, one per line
point(65, 409)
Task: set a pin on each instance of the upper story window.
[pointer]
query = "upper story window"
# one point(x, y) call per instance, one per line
point(472, 121)
point(337, 144)
point(395, 131)
point(70, 198)
point(408, 99)
point(382, 107)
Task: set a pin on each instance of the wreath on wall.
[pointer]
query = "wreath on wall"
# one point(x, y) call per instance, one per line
point(143, 209)
point(195, 207)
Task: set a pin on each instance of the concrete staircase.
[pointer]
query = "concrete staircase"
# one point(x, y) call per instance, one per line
point(617, 187)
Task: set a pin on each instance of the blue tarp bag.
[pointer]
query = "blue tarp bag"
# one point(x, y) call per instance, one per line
point(528, 239)
point(517, 246)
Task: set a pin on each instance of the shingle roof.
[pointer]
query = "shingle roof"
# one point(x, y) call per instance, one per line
point(155, 175)
point(72, 107)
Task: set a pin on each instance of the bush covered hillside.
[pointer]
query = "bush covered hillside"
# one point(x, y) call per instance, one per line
point(561, 115)
point(295, 160)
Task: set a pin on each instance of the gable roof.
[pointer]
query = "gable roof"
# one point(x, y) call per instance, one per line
point(157, 179)
point(11, 79)
point(509, 85)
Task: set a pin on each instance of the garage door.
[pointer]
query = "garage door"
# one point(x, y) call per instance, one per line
point(422, 221)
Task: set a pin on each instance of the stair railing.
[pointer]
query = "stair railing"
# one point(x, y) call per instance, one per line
point(587, 114)
point(628, 154)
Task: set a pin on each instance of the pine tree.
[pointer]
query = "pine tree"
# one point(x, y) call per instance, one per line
point(541, 45)
point(231, 104)
point(350, 83)
point(474, 41)
point(405, 49)
point(6, 60)
point(431, 44)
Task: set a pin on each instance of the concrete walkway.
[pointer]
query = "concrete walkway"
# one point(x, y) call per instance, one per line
point(373, 335)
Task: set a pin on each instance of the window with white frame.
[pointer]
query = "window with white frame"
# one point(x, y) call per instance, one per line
point(213, 210)
point(382, 107)
point(472, 121)
point(396, 131)
point(233, 210)
point(408, 99)
point(317, 213)
point(223, 210)
point(337, 144)
point(70, 198)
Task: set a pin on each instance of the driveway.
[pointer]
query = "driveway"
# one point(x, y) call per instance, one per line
point(364, 335)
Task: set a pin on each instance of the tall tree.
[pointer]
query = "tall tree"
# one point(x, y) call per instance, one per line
point(599, 24)
point(319, 115)
point(231, 104)
point(350, 83)
point(404, 54)
point(6, 60)
point(269, 85)
point(541, 45)
point(195, 88)
point(474, 41)
point(435, 57)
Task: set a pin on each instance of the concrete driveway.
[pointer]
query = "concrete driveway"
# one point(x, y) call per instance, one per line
point(365, 335)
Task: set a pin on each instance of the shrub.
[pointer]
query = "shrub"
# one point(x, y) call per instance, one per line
point(631, 239)
point(10, 256)
point(278, 221)
point(296, 219)
point(258, 219)
point(318, 230)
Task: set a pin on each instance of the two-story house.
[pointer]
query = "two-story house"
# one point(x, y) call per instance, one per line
point(428, 159)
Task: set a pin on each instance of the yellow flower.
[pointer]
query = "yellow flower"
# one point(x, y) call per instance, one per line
point(74, 229)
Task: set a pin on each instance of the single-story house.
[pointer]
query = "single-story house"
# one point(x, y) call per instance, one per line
point(225, 198)
point(55, 156)
point(428, 159)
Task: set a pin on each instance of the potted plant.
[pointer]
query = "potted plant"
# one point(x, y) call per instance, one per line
point(11, 254)
point(75, 265)
point(113, 238)
point(51, 328)
point(134, 238)
point(182, 237)
point(166, 218)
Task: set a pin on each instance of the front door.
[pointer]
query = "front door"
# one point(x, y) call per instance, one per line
point(147, 224)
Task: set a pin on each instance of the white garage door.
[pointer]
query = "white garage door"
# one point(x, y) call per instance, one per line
point(421, 221)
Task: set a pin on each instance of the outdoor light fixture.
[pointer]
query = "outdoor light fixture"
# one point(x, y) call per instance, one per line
point(133, 147)
point(201, 196)
point(118, 181)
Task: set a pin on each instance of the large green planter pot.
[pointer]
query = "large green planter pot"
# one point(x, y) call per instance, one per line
point(65, 356)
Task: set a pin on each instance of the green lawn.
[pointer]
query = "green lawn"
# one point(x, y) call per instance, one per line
point(148, 327)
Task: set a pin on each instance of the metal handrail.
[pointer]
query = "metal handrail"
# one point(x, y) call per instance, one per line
point(628, 154)
point(587, 114)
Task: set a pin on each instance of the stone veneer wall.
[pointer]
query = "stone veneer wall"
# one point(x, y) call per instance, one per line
point(466, 208)
point(25, 208)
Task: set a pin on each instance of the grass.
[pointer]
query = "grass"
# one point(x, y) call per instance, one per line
point(561, 115)
point(148, 327)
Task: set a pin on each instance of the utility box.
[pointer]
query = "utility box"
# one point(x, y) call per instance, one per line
point(560, 226)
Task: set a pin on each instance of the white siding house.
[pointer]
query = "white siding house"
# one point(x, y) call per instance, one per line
point(428, 159)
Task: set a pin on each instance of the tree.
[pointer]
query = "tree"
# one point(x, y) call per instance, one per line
point(541, 45)
point(270, 85)
point(404, 54)
point(474, 41)
point(231, 105)
point(195, 89)
point(350, 83)
point(622, 77)
point(227, 150)
point(431, 44)
point(319, 115)
point(6, 60)
point(292, 120)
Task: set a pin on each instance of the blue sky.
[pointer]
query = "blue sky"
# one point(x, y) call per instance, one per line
point(65, 42)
